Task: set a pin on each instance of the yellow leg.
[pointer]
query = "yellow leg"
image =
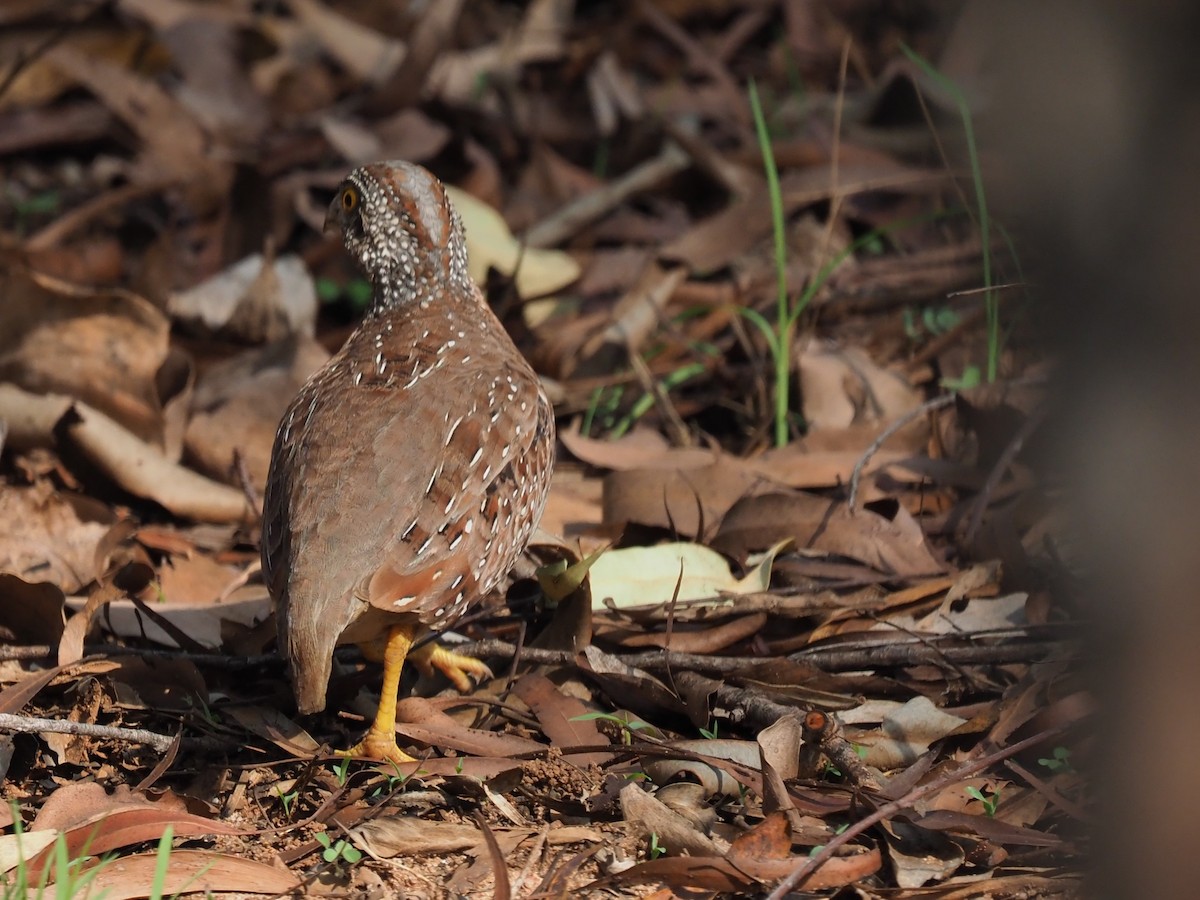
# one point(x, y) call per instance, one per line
point(454, 666)
point(380, 741)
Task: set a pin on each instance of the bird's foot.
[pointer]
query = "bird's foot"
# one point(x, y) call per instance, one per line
point(377, 745)
point(455, 666)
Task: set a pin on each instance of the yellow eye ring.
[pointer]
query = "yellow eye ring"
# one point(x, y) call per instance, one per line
point(349, 199)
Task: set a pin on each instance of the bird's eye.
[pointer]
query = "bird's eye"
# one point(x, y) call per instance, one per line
point(349, 199)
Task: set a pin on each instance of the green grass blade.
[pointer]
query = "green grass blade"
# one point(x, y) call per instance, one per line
point(991, 300)
point(780, 347)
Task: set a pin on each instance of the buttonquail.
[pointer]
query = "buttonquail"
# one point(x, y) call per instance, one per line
point(409, 473)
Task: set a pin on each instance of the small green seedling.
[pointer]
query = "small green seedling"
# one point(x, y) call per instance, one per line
point(656, 849)
point(45, 203)
point(817, 849)
point(627, 726)
point(288, 800)
point(989, 803)
point(1059, 762)
point(394, 782)
point(934, 320)
point(341, 849)
point(341, 770)
point(971, 377)
point(356, 293)
point(711, 734)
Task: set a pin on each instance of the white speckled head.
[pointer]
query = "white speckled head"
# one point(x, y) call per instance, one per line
point(399, 224)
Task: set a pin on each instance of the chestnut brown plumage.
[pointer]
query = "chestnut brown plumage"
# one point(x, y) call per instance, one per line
point(409, 473)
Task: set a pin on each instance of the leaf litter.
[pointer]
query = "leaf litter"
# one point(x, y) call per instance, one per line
point(758, 665)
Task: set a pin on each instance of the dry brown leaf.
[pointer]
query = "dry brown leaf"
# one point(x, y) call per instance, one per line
point(254, 301)
point(676, 835)
point(704, 640)
point(91, 817)
point(895, 546)
point(196, 579)
point(641, 448)
point(131, 877)
point(175, 145)
point(559, 716)
point(364, 52)
point(836, 872)
point(905, 733)
point(202, 622)
point(239, 402)
point(419, 720)
point(843, 387)
point(769, 839)
point(987, 827)
point(920, 856)
point(30, 613)
point(104, 348)
point(708, 873)
point(143, 470)
point(279, 729)
point(678, 500)
point(16, 695)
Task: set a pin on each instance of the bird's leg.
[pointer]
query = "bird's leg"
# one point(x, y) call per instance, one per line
point(380, 741)
point(455, 666)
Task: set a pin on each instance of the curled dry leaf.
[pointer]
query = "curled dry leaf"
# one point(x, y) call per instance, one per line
point(675, 834)
point(918, 855)
point(422, 721)
point(715, 780)
point(844, 386)
point(702, 640)
point(256, 300)
point(386, 837)
point(18, 848)
point(202, 622)
point(906, 733)
point(277, 728)
point(104, 348)
point(142, 470)
point(770, 839)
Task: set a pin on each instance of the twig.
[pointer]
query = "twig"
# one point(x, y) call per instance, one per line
point(31, 725)
point(74, 220)
point(810, 865)
point(581, 212)
point(214, 660)
point(1021, 645)
point(1073, 810)
point(927, 407)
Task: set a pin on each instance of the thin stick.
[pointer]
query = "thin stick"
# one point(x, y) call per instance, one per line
point(31, 725)
point(810, 865)
point(927, 407)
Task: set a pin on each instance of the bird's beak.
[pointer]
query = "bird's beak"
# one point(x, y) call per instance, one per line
point(333, 216)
